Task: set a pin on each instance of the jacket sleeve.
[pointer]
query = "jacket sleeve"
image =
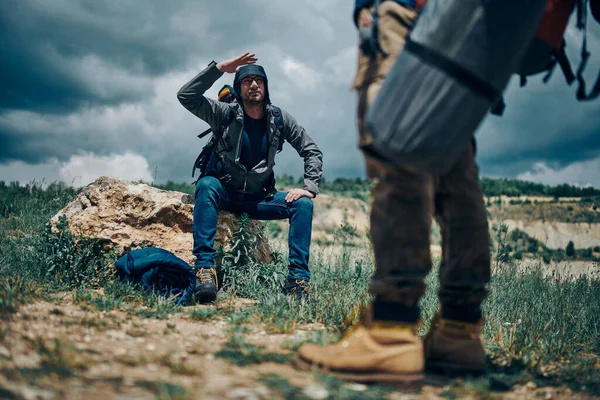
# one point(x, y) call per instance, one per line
point(296, 135)
point(191, 96)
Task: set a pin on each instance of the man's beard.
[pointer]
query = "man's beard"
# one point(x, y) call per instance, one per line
point(255, 99)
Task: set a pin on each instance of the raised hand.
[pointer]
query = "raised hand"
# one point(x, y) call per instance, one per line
point(231, 66)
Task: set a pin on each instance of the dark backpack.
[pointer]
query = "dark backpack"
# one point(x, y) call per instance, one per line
point(595, 7)
point(207, 152)
point(547, 48)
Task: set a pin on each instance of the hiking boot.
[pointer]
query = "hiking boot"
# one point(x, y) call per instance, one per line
point(206, 285)
point(454, 347)
point(385, 352)
point(298, 287)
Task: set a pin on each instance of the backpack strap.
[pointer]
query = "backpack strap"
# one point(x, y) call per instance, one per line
point(208, 148)
point(269, 185)
point(585, 55)
point(565, 66)
point(582, 96)
point(279, 123)
point(225, 122)
point(206, 132)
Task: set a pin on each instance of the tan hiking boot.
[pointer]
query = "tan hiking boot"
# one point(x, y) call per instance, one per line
point(454, 347)
point(386, 352)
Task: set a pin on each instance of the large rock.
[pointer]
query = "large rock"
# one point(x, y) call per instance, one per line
point(129, 215)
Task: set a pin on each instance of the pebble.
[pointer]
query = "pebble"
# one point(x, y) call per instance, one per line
point(530, 385)
point(357, 387)
point(315, 392)
point(4, 352)
point(243, 394)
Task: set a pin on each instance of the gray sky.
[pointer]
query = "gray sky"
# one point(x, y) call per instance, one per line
point(89, 88)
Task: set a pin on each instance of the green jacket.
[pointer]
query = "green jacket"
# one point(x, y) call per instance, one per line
point(191, 96)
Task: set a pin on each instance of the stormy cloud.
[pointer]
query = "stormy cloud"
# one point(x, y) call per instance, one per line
point(84, 81)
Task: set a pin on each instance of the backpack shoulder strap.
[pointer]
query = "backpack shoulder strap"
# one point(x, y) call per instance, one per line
point(209, 147)
point(278, 118)
point(279, 123)
point(225, 122)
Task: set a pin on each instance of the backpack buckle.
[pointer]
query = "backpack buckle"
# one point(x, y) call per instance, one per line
point(225, 178)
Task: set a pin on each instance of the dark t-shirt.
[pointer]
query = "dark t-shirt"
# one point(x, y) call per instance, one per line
point(254, 142)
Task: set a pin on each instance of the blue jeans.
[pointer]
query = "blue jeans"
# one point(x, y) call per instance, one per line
point(212, 196)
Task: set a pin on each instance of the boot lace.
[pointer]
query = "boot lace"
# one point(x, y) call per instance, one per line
point(205, 275)
point(304, 285)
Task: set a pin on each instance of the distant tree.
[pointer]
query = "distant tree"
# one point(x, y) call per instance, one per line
point(587, 253)
point(559, 255)
point(570, 250)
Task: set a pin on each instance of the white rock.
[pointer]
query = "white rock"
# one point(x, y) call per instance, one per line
point(243, 394)
point(129, 215)
point(315, 392)
point(4, 352)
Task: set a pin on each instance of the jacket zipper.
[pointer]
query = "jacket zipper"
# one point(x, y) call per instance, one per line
point(239, 148)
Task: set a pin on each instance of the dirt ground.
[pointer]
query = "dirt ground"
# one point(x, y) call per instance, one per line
point(62, 350)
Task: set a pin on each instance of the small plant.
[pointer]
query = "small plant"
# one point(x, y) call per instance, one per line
point(345, 233)
point(237, 351)
point(73, 262)
point(243, 275)
point(59, 357)
point(93, 322)
point(136, 331)
point(13, 293)
point(242, 244)
point(165, 390)
point(283, 386)
point(161, 310)
point(502, 253)
point(177, 366)
point(203, 314)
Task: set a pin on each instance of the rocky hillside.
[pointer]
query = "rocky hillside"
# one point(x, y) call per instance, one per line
point(537, 226)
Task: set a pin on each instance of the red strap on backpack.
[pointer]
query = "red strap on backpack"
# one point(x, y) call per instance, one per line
point(420, 4)
point(554, 22)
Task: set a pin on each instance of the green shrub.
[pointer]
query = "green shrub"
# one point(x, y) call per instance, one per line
point(74, 262)
point(570, 249)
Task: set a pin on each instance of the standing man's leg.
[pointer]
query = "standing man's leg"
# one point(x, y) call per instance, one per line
point(209, 197)
point(386, 348)
point(299, 213)
point(454, 342)
point(403, 202)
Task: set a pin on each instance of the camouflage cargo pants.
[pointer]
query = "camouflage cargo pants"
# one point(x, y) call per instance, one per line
point(404, 201)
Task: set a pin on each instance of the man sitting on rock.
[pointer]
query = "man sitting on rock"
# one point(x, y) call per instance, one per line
point(241, 178)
